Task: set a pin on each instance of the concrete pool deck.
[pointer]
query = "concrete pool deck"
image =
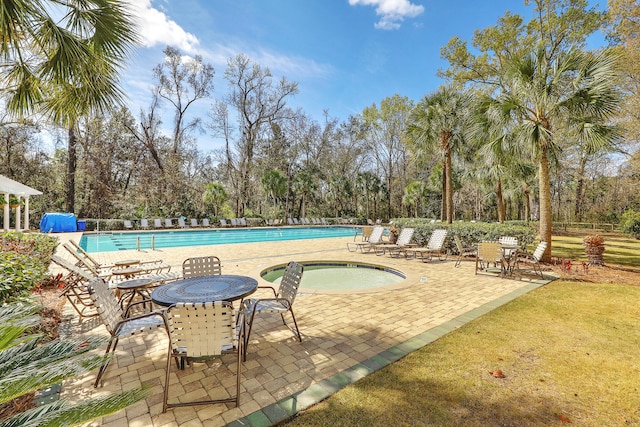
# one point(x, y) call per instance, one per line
point(346, 336)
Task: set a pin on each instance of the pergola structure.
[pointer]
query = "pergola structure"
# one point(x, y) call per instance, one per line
point(8, 188)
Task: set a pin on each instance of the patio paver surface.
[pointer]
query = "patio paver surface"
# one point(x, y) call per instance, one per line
point(345, 335)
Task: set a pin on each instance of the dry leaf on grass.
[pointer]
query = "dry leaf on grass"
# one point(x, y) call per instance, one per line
point(497, 374)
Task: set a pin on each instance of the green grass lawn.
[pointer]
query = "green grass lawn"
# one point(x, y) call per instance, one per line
point(568, 351)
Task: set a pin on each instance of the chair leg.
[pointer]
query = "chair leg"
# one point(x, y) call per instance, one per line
point(248, 332)
point(165, 396)
point(297, 333)
point(103, 368)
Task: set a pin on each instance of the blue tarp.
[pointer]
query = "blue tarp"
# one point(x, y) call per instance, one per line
point(58, 222)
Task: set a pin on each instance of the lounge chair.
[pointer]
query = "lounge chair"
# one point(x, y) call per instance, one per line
point(205, 222)
point(157, 223)
point(435, 246)
point(127, 224)
point(234, 222)
point(144, 224)
point(374, 239)
point(194, 222)
point(399, 247)
point(295, 221)
point(531, 259)
point(290, 221)
point(243, 222)
point(181, 223)
point(224, 223)
point(168, 223)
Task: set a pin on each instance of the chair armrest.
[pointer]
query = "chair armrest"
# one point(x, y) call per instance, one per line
point(145, 301)
point(268, 287)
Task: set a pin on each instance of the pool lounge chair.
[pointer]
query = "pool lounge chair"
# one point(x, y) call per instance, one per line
point(168, 223)
point(144, 224)
point(365, 247)
point(181, 223)
point(243, 222)
point(469, 251)
point(157, 223)
point(223, 223)
point(194, 222)
point(128, 225)
point(435, 246)
point(205, 222)
point(399, 247)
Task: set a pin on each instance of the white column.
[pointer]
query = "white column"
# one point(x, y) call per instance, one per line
point(18, 213)
point(6, 212)
point(26, 213)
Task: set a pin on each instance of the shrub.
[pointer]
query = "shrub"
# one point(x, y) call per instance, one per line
point(23, 263)
point(630, 223)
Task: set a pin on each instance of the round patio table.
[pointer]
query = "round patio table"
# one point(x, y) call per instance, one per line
point(225, 287)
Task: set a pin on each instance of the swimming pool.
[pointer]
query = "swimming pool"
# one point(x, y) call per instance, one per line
point(336, 276)
point(109, 242)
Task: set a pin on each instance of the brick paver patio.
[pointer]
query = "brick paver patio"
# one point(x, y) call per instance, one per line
point(346, 335)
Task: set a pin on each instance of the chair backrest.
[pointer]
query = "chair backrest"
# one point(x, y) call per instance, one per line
point(106, 304)
point(74, 269)
point(223, 222)
point(201, 266)
point(157, 223)
point(376, 235)
point(508, 240)
point(537, 254)
point(458, 243)
point(436, 241)
point(181, 223)
point(366, 232)
point(198, 330)
point(82, 253)
point(490, 251)
point(127, 224)
point(243, 221)
point(205, 222)
point(234, 223)
point(290, 282)
point(168, 223)
point(144, 223)
point(194, 222)
point(295, 221)
point(405, 236)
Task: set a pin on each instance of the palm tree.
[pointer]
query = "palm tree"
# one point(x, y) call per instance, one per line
point(575, 92)
point(215, 195)
point(64, 68)
point(275, 185)
point(27, 366)
point(413, 194)
point(440, 120)
point(304, 186)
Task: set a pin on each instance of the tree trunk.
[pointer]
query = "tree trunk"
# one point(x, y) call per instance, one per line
point(443, 203)
point(500, 202)
point(448, 186)
point(527, 204)
point(580, 187)
point(546, 220)
point(70, 199)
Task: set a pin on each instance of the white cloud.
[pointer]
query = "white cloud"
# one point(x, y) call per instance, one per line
point(156, 28)
point(392, 12)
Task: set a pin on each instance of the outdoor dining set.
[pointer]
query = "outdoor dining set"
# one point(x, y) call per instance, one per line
point(206, 314)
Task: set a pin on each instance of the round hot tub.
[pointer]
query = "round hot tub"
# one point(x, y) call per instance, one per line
point(340, 276)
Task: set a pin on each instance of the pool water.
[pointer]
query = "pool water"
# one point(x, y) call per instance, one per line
point(339, 276)
point(109, 242)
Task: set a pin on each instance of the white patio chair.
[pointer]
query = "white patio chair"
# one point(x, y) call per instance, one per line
point(157, 223)
point(199, 332)
point(116, 321)
point(435, 246)
point(205, 222)
point(281, 302)
point(168, 223)
point(399, 247)
point(464, 251)
point(194, 222)
point(374, 238)
point(144, 224)
point(531, 259)
point(201, 266)
point(181, 223)
point(127, 224)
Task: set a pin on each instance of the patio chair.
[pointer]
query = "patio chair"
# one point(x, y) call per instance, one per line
point(511, 243)
point(295, 221)
point(157, 223)
point(364, 233)
point(281, 302)
point(289, 221)
point(144, 224)
point(234, 222)
point(201, 266)
point(194, 222)
point(198, 332)
point(489, 253)
point(531, 259)
point(435, 246)
point(374, 239)
point(148, 266)
point(399, 247)
point(463, 251)
point(75, 289)
point(223, 223)
point(168, 223)
point(117, 322)
point(128, 225)
point(181, 223)
point(205, 222)
point(243, 222)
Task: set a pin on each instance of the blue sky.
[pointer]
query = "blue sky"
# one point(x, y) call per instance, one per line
point(344, 54)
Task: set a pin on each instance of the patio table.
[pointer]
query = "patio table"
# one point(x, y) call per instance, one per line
point(224, 287)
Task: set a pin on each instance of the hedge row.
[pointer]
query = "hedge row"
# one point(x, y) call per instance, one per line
point(470, 232)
